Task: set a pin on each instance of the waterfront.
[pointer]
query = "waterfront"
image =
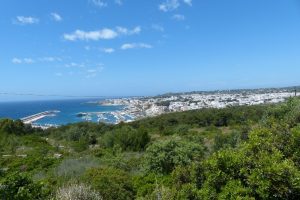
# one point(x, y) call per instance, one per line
point(55, 113)
point(69, 110)
point(152, 106)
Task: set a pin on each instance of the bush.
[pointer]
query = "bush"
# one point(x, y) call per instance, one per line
point(127, 138)
point(112, 184)
point(146, 184)
point(162, 157)
point(21, 187)
point(77, 192)
point(227, 140)
point(259, 171)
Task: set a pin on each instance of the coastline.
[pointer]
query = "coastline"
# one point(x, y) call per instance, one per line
point(128, 109)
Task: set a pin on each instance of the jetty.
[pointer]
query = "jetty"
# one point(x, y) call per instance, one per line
point(33, 118)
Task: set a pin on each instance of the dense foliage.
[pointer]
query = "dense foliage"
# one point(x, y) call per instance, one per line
point(242, 152)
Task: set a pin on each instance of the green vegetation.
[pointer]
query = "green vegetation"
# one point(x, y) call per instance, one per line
point(243, 152)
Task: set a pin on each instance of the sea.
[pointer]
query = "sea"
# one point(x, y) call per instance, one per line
point(68, 111)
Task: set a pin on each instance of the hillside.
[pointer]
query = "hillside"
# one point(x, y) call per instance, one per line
point(240, 152)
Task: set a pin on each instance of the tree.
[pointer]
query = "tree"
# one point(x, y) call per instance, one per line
point(16, 127)
point(21, 187)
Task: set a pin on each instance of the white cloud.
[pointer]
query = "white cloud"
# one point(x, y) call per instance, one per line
point(108, 50)
point(128, 46)
point(158, 27)
point(171, 5)
point(99, 3)
point(104, 34)
point(16, 61)
point(188, 2)
point(103, 3)
point(135, 46)
point(30, 60)
point(21, 61)
point(126, 31)
point(26, 20)
point(178, 17)
point(56, 17)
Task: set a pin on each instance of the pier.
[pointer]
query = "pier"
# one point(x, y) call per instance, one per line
point(33, 118)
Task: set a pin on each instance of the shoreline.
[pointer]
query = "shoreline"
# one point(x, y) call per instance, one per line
point(131, 109)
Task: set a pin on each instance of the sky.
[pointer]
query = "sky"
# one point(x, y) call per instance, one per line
point(146, 47)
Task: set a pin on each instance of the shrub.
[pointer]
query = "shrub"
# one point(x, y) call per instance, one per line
point(113, 184)
point(162, 157)
point(77, 192)
point(257, 169)
point(21, 187)
point(146, 184)
point(127, 138)
point(226, 140)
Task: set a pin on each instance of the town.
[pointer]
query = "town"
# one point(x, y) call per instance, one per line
point(141, 107)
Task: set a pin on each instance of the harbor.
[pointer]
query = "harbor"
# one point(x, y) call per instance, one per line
point(114, 111)
point(33, 118)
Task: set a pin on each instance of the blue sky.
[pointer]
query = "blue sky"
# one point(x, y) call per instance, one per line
point(147, 47)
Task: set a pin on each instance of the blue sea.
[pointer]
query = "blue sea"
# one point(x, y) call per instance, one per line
point(68, 110)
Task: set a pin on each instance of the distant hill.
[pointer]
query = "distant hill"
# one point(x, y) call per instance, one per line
point(235, 91)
